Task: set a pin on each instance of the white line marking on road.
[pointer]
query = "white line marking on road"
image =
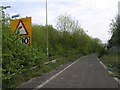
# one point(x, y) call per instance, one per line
point(118, 80)
point(44, 83)
point(109, 72)
point(102, 64)
point(83, 57)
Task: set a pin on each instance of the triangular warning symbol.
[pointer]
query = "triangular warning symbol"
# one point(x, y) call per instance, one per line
point(21, 29)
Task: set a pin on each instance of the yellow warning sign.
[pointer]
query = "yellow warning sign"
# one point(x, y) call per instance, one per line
point(23, 27)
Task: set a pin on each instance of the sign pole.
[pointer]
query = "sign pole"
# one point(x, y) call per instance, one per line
point(119, 10)
point(117, 33)
point(47, 33)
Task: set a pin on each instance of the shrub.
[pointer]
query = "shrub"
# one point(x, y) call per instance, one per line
point(17, 58)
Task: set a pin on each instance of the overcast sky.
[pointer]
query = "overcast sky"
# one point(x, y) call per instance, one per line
point(94, 16)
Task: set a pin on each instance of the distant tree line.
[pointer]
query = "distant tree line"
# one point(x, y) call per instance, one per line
point(67, 38)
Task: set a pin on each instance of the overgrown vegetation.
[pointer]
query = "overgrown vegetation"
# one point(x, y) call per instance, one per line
point(111, 61)
point(17, 58)
point(112, 58)
point(115, 31)
point(66, 43)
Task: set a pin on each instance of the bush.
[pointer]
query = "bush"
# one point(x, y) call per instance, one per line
point(17, 57)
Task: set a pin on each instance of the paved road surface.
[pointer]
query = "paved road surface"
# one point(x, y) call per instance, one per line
point(87, 72)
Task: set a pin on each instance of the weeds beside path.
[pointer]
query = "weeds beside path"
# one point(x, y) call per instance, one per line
point(111, 60)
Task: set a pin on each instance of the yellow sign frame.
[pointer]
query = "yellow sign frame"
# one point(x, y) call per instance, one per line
point(27, 24)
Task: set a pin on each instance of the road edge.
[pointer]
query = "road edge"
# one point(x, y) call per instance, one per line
point(51, 78)
point(115, 78)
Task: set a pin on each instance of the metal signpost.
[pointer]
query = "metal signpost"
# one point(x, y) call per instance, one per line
point(119, 10)
point(47, 34)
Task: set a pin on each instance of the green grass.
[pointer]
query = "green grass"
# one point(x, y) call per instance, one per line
point(111, 60)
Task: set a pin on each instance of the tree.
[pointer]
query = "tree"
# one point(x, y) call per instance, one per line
point(66, 23)
point(115, 30)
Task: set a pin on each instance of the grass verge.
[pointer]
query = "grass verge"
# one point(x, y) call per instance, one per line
point(111, 60)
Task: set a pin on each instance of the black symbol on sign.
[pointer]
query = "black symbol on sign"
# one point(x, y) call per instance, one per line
point(26, 40)
point(18, 31)
point(21, 29)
